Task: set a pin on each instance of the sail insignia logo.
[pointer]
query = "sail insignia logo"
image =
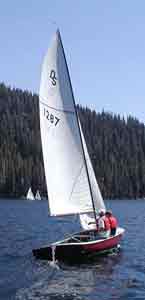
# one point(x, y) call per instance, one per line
point(53, 77)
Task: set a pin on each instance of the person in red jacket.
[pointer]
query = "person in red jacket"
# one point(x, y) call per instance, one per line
point(113, 222)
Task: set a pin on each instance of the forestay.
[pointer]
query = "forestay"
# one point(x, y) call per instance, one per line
point(65, 170)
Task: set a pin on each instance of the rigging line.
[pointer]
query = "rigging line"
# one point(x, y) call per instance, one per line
point(56, 109)
point(77, 118)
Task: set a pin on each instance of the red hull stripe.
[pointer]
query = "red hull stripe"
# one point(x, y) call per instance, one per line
point(103, 245)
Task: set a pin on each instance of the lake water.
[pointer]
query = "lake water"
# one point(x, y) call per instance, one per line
point(25, 225)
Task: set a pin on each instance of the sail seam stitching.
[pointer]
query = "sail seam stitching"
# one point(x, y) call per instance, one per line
point(56, 109)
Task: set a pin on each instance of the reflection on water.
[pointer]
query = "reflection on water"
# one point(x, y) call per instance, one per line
point(24, 226)
point(72, 282)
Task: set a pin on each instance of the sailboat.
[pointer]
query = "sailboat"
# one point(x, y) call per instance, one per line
point(71, 184)
point(30, 195)
point(37, 196)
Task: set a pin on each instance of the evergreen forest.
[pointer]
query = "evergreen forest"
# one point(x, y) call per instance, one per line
point(116, 147)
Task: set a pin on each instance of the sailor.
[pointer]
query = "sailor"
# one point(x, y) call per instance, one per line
point(103, 225)
point(113, 222)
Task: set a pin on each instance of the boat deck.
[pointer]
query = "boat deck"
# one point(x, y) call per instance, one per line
point(86, 236)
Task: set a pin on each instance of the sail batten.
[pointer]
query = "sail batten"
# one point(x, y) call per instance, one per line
point(65, 169)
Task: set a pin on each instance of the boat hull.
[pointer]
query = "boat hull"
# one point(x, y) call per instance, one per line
point(73, 249)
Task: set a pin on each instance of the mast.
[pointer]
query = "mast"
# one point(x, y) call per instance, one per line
point(58, 32)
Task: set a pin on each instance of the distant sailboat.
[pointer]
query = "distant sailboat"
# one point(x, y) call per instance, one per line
point(30, 195)
point(37, 196)
point(71, 183)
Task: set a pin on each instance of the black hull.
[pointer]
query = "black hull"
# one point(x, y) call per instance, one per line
point(70, 254)
point(67, 252)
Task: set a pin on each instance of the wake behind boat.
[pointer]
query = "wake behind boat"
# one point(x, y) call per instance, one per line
point(71, 183)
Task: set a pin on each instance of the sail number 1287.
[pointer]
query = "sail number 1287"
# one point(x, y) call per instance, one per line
point(50, 117)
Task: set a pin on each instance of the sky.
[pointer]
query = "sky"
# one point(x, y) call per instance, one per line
point(104, 43)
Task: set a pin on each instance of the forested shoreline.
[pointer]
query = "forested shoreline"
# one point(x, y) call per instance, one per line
point(116, 147)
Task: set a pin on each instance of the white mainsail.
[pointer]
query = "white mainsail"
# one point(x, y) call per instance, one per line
point(65, 170)
point(30, 195)
point(37, 196)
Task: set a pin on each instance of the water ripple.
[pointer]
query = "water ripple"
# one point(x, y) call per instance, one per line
point(25, 226)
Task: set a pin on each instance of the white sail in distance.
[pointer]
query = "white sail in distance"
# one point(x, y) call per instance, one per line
point(37, 196)
point(65, 170)
point(30, 195)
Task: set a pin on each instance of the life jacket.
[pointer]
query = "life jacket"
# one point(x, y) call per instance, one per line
point(113, 222)
point(106, 223)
